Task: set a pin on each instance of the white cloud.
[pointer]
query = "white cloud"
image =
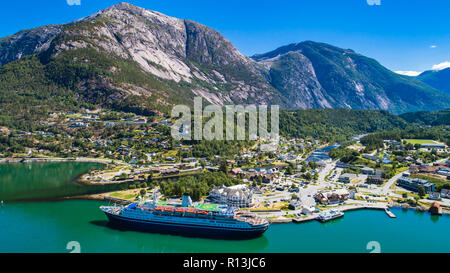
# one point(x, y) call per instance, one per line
point(408, 73)
point(441, 66)
point(433, 46)
point(74, 2)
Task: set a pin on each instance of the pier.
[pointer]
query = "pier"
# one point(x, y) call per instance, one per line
point(390, 213)
point(375, 206)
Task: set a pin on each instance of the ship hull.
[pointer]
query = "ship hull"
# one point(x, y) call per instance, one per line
point(177, 228)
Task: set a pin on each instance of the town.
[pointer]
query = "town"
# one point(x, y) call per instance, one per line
point(297, 182)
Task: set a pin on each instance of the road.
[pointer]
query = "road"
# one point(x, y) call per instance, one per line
point(390, 182)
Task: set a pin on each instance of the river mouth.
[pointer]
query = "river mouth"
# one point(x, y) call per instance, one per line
point(44, 181)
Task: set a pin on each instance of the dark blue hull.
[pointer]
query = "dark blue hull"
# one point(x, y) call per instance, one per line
point(185, 229)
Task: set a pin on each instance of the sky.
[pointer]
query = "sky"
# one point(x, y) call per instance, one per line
point(403, 35)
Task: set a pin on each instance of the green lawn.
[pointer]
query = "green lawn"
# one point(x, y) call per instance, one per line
point(124, 195)
point(438, 183)
point(420, 141)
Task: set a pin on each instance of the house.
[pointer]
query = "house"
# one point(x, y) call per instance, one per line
point(443, 171)
point(347, 178)
point(435, 209)
point(332, 197)
point(236, 196)
point(171, 158)
point(342, 165)
point(386, 160)
point(190, 160)
point(170, 172)
point(265, 178)
point(308, 210)
point(78, 125)
point(371, 157)
point(445, 193)
point(295, 204)
point(430, 146)
point(434, 196)
point(413, 184)
point(368, 171)
point(375, 179)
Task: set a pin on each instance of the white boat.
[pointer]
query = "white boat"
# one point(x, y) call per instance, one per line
point(329, 215)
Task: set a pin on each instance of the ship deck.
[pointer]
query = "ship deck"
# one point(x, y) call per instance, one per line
point(207, 207)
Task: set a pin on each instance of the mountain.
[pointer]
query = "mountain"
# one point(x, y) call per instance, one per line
point(439, 79)
point(131, 59)
point(27, 42)
point(318, 75)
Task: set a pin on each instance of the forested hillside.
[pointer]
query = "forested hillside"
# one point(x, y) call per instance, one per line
point(336, 124)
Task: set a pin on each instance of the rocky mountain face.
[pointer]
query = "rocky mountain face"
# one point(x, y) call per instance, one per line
point(133, 59)
point(439, 79)
point(27, 42)
point(317, 75)
point(125, 52)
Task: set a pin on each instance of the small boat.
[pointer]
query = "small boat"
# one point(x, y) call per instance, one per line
point(330, 215)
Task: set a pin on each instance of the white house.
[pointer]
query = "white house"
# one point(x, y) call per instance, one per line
point(236, 196)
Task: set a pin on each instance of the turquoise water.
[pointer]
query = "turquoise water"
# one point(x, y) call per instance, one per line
point(48, 226)
point(45, 180)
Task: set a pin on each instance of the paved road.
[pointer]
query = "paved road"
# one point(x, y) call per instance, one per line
point(391, 181)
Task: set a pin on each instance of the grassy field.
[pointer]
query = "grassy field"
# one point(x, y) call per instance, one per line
point(438, 183)
point(420, 141)
point(127, 195)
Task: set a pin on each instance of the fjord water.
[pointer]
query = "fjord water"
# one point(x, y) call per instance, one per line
point(48, 226)
point(41, 180)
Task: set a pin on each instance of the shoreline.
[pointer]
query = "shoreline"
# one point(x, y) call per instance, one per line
point(104, 195)
point(354, 208)
point(380, 207)
point(53, 159)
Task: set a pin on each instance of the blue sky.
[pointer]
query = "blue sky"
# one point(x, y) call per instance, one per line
point(401, 34)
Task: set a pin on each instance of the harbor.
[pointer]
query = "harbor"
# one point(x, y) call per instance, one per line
point(56, 204)
point(44, 227)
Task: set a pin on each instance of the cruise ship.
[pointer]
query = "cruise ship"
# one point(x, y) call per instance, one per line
point(329, 215)
point(203, 219)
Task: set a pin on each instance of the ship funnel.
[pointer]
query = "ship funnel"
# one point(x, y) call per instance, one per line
point(187, 201)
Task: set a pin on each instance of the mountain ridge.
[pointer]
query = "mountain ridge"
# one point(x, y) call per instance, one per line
point(439, 79)
point(131, 59)
point(342, 78)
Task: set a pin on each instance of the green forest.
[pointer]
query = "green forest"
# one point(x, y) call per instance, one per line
point(196, 187)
